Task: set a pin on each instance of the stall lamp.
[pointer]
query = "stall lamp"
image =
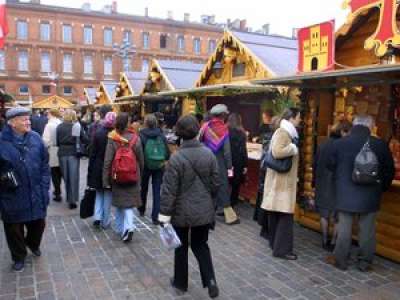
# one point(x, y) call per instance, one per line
point(390, 57)
point(217, 69)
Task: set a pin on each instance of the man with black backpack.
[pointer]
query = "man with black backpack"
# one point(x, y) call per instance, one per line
point(156, 154)
point(363, 168)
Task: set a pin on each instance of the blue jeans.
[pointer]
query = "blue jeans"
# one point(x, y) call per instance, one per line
point(124, 220)
point(156, 181)
point(102, 208)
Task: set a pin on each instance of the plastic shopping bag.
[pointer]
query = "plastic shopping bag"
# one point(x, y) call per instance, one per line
point(169, 238)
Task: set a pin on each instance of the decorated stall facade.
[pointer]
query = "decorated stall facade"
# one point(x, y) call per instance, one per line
point(131, 85)
point(106, 92)
point(52, 102)
point(366, 80)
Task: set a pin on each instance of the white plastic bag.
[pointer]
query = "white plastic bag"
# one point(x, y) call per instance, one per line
point(169, 238)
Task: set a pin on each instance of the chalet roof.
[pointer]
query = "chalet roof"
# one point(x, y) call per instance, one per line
point(180, 74)
point(109, 88)
point(53, 101)
point(136, 81)
point(278, 53)
point(90, 95)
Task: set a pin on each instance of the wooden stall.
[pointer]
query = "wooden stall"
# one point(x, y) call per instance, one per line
point(240, 57)
point(89, 95)
point(366, 80)
point(130, 85)
point(106, 92)
point(171, 75)
point(52, 102)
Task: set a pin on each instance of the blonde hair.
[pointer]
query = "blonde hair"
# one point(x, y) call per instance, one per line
point(70, 116)
point(55, 112)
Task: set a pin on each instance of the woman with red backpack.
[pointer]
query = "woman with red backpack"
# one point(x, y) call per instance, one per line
point(123, 166)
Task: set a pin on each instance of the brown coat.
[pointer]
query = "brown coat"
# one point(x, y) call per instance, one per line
point(123, 196)
point(280, 188)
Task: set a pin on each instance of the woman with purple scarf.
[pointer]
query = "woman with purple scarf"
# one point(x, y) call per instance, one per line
point(215, 135)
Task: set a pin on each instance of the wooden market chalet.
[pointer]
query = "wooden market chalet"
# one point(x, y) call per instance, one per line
point(363, 79)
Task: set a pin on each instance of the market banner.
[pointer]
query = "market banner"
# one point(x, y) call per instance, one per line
point(3, 23)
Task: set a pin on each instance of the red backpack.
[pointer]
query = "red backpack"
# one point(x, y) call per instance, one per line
point(124, 167)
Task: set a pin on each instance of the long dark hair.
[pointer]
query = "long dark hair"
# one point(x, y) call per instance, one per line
point(290, 113)
point(121, 123)
point(235, 122)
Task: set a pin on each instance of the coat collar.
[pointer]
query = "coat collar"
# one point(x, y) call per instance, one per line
point(360, 130)
point(8, 135)
point(194, 143)
point(289, 127)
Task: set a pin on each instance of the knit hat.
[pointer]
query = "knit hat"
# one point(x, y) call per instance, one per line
point(109, 120)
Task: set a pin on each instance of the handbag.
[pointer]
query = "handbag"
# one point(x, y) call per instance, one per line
point(86, 209)
point(279, 165)
point(81, 150)
point(8, 180)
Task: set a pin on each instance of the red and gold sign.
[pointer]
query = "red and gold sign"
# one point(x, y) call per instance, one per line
point(387, 32)
point(317, 47)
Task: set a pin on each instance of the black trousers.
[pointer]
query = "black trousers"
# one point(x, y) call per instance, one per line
point(56, 177)
point(200, 249)
point(236, 182)
point(280, 232)
point(17, 240)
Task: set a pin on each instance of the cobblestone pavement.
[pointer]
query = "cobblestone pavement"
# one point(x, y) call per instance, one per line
point(79, 262)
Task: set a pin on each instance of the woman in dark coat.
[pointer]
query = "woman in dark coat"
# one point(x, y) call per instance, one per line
point(124, 197)
point(190, 183)
point(325, 196)
point(238, 140)
point(103, 196)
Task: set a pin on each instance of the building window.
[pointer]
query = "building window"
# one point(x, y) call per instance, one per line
point(146, 40)
point(67, 90)
point(239, 70)
point(67, 33)
point(45, 32)
point(22, 30)
point(45, 65)
point(23, 61)
point(108, 65)
point(181, 43)
point(211, 46)
point(88, 35)
point(2, 61)
point(87, 64)
point(196, 46)
point(127, 36)
point(163, 41)
point(23, 89)
point(145, 65)
point(108, 37)
point(67, 63)
point(46, 89)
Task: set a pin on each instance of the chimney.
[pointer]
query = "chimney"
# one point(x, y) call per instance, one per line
point(243, 25)
point(86, 6)
point(35, 1)
point(294, 33)
point(186, 17)
point(265, 29)
point(170, 15)
point(146, 12)
point(211, 19)
point(114, 7)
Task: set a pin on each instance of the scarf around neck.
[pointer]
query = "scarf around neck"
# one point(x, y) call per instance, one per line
point(116, 137)
point(289, 127)
point(214, 133)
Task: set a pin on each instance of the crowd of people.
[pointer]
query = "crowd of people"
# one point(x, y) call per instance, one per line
point(191, 185)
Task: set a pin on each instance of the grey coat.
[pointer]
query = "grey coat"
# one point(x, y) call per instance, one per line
point(123, 196)
point(185, 197)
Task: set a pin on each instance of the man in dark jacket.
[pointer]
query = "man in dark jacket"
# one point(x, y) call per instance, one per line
point(362, 201)
point(38, 122)
point(152, 134)
point(23, 201)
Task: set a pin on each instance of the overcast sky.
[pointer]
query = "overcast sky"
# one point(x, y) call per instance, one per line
point(282, 15)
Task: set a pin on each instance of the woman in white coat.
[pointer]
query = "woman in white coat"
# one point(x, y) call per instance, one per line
point(50, 140)
point(280, 188)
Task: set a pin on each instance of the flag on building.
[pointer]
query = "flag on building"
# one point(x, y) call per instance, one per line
point(3, 23)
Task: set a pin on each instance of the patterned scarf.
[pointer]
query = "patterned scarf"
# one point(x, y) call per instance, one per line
point(214, 133)
point(116, 137)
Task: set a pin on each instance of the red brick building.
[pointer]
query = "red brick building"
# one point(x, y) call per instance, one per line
point(77, 45)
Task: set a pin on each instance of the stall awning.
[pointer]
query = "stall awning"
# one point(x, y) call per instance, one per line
point(366, 75)
point(141, 98)
point(217, 90)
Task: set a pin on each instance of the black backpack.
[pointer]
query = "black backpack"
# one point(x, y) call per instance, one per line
point(366, 166)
